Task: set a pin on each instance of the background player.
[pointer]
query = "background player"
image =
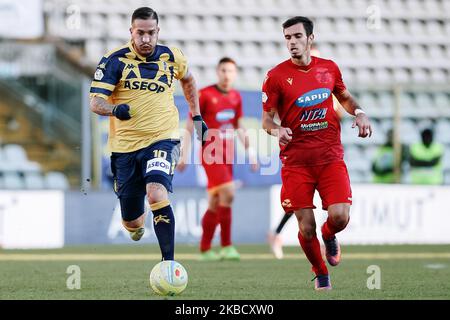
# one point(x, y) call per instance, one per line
point(134, 85)
point(221, 106)
point(300, 90)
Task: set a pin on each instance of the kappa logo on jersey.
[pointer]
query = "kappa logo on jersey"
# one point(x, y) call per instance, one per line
point(225, 115)
point(313, 97)
point(158, 164)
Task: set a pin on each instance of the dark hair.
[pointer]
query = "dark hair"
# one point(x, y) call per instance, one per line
point(226, 60)
point(307, 24)
point(144, 13)
point(427, 132)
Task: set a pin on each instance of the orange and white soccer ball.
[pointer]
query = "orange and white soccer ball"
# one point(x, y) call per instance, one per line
point(168, 278)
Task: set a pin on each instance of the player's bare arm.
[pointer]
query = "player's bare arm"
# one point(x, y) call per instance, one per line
point(101, 107)
point(190, 93)
point(284, 134)
point(361, 119)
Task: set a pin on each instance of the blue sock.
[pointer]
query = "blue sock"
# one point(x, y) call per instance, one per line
point(164, 226)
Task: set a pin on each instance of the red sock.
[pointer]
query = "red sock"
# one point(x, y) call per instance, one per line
point(224, 214)
point(312, 251)
point(209, 223)
point(329, 229)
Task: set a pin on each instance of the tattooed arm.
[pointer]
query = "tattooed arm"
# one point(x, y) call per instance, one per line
point(101, 107)
point(191, 95)
point(190, 92)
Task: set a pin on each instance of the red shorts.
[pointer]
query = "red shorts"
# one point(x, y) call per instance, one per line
point(217, 159)
point(218, 174)
point(299, 183)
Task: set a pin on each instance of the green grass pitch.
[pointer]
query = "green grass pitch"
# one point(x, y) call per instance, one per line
point(121, 272)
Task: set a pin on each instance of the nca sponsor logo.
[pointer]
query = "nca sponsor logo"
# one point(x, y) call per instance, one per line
point(158, 164)
point(225, 115)
point(313, 97)
point(143, 85)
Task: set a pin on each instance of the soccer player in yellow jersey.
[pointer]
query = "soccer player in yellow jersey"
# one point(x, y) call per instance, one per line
point(134, 85)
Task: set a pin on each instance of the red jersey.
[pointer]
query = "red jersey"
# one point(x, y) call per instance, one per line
point(302, 96)
point(220, 110)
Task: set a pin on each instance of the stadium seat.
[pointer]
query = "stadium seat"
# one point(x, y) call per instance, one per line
point(417, 51)
point(268, 25)
point(438, 76)
point(14, 153)
point(409, 132)
point(383, 75)
point(12, 180)
point(269, 50)
point(230, 24)
point(436, 52)
point(326, 50)
point(192, 23)
point(56, 180)
point(420, 75)
point(362, 51)
point(414, 7)
point(250, 50)
point(213, 50)
point(398, 27)
point(231, 49)
point(211, 23)
point(398, 51)
point(401, 75)
point(416, 27)
point(442, 131)
point(442, 103)
point(344, 51)
point(364, 76)
point(193, 49)
point(33, 180)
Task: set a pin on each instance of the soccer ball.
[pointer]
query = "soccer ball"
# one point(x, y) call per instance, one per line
point(168, 278)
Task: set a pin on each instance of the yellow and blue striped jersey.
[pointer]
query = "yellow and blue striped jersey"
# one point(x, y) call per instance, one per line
point(146, 84)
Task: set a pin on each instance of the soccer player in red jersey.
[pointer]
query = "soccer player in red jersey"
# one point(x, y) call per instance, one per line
point(300, 90)
point(222, 110)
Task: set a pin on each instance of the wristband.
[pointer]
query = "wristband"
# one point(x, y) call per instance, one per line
point(358, 111)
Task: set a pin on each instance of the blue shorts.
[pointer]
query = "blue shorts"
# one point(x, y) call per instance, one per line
point(132, 171)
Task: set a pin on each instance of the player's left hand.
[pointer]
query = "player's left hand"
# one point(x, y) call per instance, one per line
point(200, 128)
point(362, 122)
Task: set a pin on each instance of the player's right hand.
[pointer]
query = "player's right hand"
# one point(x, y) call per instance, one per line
point(122, 112)
point(200, 128)
point(284, 135)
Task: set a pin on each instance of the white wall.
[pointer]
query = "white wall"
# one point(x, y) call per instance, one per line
point(383, 214)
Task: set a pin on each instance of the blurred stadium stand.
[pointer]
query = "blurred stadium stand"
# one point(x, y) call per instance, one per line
point(408, 48)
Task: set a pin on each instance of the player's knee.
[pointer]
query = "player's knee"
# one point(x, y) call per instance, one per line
point(156, 193)
point(308, 231)
point(137, 223)
point(339, 217)
point(226, 197)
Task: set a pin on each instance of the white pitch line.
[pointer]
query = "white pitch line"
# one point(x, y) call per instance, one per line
point(193, 256)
